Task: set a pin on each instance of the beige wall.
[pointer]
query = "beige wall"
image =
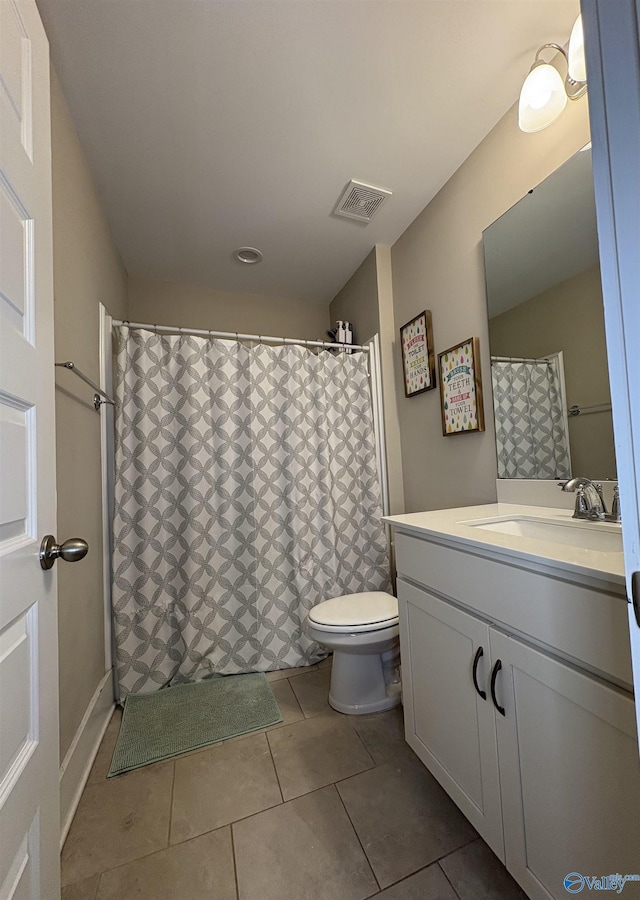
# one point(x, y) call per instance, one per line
point(86, 270)
point(568, 317)
point(195, 306)
point(357, 302)
point(366, 301)
point(387, 341)
point(438, 265)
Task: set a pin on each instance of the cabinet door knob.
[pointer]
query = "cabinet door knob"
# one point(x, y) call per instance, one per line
point(494, 675)
point(478, 657)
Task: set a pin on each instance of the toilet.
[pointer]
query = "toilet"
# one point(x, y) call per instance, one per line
point(362, 630)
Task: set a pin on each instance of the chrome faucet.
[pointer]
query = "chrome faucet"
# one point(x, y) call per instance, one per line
point(589, 499)
point(616, 514)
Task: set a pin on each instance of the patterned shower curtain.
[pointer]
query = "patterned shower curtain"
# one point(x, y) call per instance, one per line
point(531, 437)
point(246, 492)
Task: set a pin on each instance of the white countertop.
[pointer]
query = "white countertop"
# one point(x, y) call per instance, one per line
point(448, 526)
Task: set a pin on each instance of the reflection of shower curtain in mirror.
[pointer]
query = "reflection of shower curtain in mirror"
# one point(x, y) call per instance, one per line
point(531, 436)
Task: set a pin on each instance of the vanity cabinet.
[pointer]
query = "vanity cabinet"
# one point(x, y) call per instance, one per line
point(547, 768)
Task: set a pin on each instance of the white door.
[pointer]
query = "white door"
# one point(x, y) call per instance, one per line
point(29, 814)
point(569, 773)
point(449, 717)
point(613, 70)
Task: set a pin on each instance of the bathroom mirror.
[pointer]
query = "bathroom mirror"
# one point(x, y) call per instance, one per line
point(552, 405)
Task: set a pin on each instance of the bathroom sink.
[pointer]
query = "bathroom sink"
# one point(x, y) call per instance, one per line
point(604, 537)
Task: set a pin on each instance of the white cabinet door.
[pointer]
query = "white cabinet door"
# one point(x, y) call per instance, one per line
point(569, 772)
point(447, 723)
point(29, 805)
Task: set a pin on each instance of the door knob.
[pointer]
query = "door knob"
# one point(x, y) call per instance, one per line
point(71, 550)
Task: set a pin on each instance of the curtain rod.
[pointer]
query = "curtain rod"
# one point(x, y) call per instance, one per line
point(234, 335)
point(522, 359)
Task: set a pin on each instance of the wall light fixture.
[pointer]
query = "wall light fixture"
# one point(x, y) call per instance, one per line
point(544, 94)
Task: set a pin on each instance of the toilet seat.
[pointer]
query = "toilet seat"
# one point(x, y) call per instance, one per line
point(355, 613)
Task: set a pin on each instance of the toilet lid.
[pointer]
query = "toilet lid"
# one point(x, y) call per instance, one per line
point(356, 609)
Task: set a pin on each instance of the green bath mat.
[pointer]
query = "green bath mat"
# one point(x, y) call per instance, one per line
point(176, 719)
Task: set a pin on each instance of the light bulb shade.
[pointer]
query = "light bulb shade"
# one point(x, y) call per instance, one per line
point(577, 65)
point(542, 98)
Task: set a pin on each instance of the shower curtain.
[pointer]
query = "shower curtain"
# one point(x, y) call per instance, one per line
point(531, 437)
point(246, 492)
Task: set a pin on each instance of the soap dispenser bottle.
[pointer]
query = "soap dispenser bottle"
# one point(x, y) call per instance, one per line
point(349, 334)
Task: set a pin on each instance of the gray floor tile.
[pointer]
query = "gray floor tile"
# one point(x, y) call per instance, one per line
point(288, 673)
point(403, 818)
point(81, 890)
point(289, 706)
point(383, 735)
point(477, 874)
point(105, 752)
point(312, 692)
point(201, 869)
point(220, 785)
point(119, 820)
point(304, 848)
point(316, 752)
point(429, 884)
point(326, 663)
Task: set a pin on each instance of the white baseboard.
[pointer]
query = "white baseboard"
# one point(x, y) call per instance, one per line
point(79, 758)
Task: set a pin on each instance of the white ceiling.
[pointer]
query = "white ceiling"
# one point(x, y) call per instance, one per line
point(211, 124)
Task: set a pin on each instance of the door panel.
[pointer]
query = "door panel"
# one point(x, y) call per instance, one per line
point(612, 50)
point(447, 723)
point(16, 70)
point(29, 815)
point(568, 766)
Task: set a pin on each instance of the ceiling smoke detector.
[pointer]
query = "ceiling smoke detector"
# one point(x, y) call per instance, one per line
point(360, 201)
point(248, 255)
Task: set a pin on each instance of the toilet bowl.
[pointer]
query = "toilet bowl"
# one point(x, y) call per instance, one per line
point(362, 630)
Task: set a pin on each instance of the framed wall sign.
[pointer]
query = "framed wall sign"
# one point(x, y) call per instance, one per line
point(461, 388)
point(418, 362)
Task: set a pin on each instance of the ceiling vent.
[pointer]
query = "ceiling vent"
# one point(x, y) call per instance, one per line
point(360, 201)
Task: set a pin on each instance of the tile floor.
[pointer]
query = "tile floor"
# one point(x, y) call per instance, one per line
point(320, 807)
